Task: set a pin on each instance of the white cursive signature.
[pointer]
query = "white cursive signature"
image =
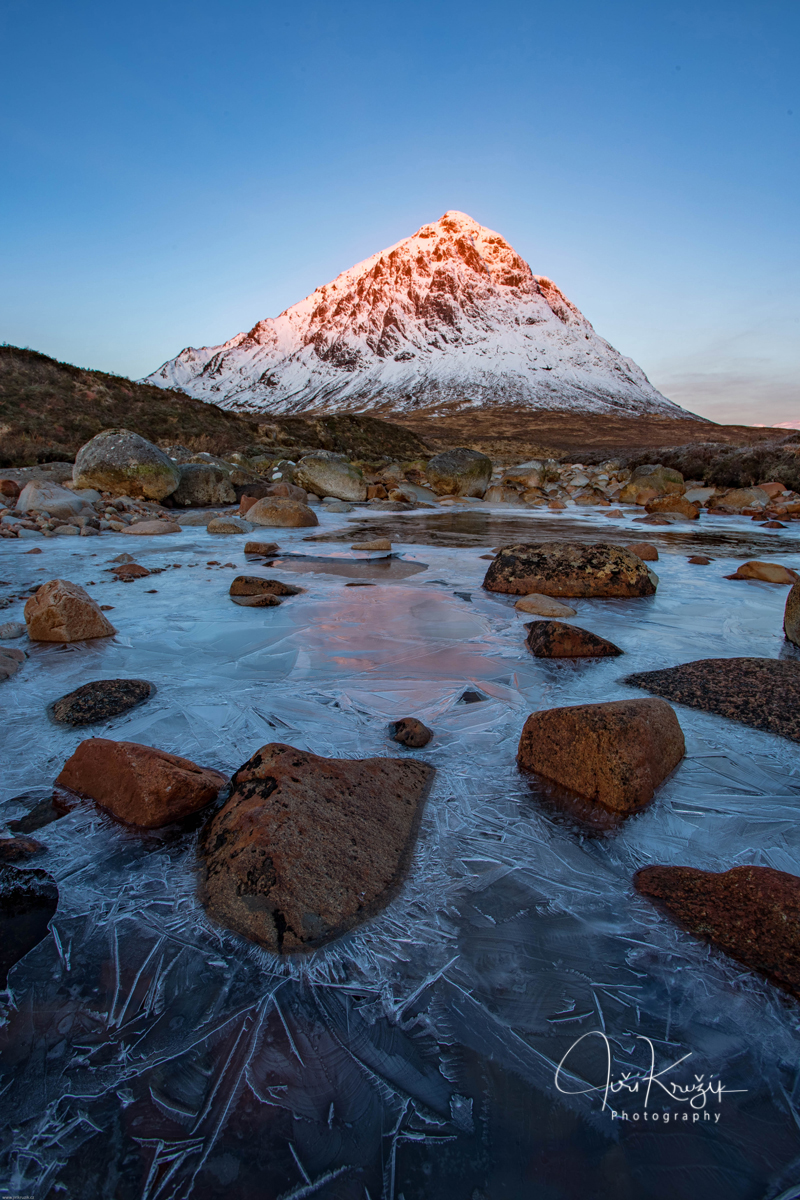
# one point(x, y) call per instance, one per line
point(695, 1094)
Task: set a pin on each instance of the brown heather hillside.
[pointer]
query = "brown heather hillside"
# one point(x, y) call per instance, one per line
point(49, 409)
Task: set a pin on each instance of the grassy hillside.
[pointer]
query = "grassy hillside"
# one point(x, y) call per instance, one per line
point(49, 409)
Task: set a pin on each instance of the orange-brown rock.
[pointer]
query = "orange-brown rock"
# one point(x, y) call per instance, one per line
point(266, 549)
point(557, 639)
point(772, 489)
point(614, 754)
point(281, 513)
point(254, 585)
point(699, 560)
point(308, 847)
point(153, 528)
point(752, 913)
point(643, 550)
point(409, 731)
point(568, 569)
point(376, 491)
point(767, 572)
point(791, 615)
point(137, 784)
point(673, 504)
point(61, 611)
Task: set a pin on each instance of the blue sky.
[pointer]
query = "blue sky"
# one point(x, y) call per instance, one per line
point(174, 172)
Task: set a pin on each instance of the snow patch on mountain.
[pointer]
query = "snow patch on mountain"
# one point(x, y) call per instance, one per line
point(447, 320)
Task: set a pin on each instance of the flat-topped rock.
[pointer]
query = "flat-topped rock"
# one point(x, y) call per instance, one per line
point(568, 569)
point(100, 700)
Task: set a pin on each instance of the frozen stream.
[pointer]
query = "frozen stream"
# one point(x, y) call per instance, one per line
point(149, 1055)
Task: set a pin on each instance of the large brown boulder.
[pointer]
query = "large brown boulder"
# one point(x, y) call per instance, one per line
point(673, 504)
point(557, 639)
point(40, 496)
point(137, 784)
point(326, 474)
point(614, 754)
point(663, 481)
point(202, 485)
point(459, 472)
point(752, 913)
point(765, 571)
point(123, 463)
point(568, 569)
point(307, 847)
point(761, 692)
point(281, 513)
point(254, 585)
point(791, 615)
point(739, 498)
point(61, 611)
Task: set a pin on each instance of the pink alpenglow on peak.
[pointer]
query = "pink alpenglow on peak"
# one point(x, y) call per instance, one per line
point(447, 320)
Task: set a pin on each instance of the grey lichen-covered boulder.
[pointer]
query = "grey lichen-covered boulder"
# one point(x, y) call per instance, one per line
point(39, 496)
point(123, 463)
point(326, 474)
point(202, 484)
point(459, 472)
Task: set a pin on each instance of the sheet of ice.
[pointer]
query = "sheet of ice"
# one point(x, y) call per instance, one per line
point(148, 1053)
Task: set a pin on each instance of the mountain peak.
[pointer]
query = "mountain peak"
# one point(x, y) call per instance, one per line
point(449, 318)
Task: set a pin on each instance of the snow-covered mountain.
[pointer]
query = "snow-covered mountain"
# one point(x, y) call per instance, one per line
point(449, 319)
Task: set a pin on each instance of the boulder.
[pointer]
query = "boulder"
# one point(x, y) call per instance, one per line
point(761, 692)
point(282, 514)
point(639, 492)
point(752, 913)
point(643, 550)
point(614, 754)
point(199, 520)
point(308, 847)
point(61, 611)
point(410, 732)
point(28, 901)
point(265, 549)
point(229, 525)
point(203, 484)
point(672, 503)
point(543, 606)
point(288, 491)
point(153, 528)
point(459, 472)
point(556, 639)
point(533, 474)
point(38, 496)
point(128, 571)
point(739, 498)
point(254, 585)
point(12, 629)
point(374, 544)
point(137, 784)
point(414, 493)
point(772, 489)
point(123, 463)
point(249, 498)
point(767, 572)
point(699, 560)
point(791, 615)
point(259, 600)
point(663, 480)
point(328, 475)
point(502, 495)
point(100, 700)
point(699, 495)
point(568, 569)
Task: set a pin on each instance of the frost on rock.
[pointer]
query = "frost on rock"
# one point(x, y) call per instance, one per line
point(149, 1053)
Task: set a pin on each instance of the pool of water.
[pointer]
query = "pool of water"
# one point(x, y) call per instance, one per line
point(147, 1053)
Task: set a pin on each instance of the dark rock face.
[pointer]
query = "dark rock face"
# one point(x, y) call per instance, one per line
point(100, 700)
point(568, 569)
point(308, 847)
point(262, 600)
point(761, 692)
point(615, 754)
point(137, 784)
point(408, 731)
point(14, 848)
point(557, 639)
point(791, 615)
point(28, 900)
point(254, 585)
point(459, 473)
point(752, 913)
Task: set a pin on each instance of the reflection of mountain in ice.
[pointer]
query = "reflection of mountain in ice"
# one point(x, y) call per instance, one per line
point(150, 1054)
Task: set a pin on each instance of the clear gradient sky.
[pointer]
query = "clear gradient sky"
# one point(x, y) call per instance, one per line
point(173, 172)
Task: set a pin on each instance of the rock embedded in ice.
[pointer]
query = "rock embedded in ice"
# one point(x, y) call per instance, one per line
point(673, 504)
point(615, 754)
point(409, 731)
point(203, 484)
point(643, 550)
point(699, 560)
point(761, 692)
point(791, 615)
point(28, 900)
point(765, 571)
point(138, 784)
point(100, 700)
point(10, 661)
point(306, 847)
point(153, 528)
point(265, 549)
point(328, 475)
point(556, 639)
point(11, 629)
point(254, 585)
point(229, 525)
point(125, 464)
point(282, 513)
point(261, 600)
point(459, 472)
point(128, 571)
point(12, 849)
point(752, 913)
point(61, 611)
point(568, 569)
point(66, 531)
point(541, 606)
point(375, 544)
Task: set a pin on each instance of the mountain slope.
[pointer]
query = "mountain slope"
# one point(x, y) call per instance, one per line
point(448, 320)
